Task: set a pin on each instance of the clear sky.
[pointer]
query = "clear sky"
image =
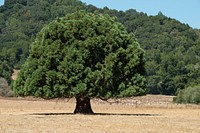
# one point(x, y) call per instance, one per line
point(186, 11)
point(1, 2)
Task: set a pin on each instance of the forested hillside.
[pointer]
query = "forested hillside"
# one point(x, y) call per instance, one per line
point(20, 20)
point(172, 48)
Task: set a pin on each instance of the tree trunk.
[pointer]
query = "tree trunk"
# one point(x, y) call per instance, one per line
point(83, 105)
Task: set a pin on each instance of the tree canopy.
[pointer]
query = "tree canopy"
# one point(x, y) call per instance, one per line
point(83, 55)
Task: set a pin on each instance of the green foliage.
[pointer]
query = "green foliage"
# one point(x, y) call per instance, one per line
point(172, 48)
point(189, 95)
point(83, 54)
point(20, 20)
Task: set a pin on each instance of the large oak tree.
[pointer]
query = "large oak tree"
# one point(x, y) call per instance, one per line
point(83, 55)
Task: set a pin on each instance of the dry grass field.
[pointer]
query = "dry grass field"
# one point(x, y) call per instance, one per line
point(148, 114)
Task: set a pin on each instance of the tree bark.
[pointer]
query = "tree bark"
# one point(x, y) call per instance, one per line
point(83, 105)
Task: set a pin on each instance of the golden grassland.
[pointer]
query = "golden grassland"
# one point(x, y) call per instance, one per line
point(147, 114)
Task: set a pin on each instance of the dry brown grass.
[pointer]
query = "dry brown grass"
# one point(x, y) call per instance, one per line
point(149, 114)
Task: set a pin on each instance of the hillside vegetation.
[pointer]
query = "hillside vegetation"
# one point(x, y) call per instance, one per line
point(172, 48)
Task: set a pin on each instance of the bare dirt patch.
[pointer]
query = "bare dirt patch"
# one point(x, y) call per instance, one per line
point(141, 114)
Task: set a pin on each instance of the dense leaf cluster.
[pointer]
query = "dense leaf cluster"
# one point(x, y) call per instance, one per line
point(83, 54)
point(172, 48)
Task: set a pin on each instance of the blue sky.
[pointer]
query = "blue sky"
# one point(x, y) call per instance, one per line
point(1, 2)
point(186, 11)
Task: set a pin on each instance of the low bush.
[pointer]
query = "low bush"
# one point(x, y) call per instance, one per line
point(4, 88)
point(189, 95)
